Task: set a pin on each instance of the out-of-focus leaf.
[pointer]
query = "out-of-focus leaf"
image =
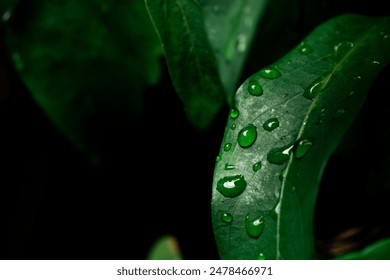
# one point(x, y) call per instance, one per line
point(230, 26)
point(379, 250)
point(190, 58)
point(86, 63)
point(290, 118)
point(165, 248)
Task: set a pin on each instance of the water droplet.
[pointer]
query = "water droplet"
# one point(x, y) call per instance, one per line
point(342, 48)
point(231, 186)
point(301, 147)
point(227, 147)
point(233, 126)
point(6, 16)
point(218, 158)
point(254, 227)
point(269, 73)
point(257, 166)
point(261, 257)
point(18, 61)
point(271, 124)
point(385, 36)
point(357, 78)
point(241, 43)
point(339, 113)
point(254, 88)
point(275, 211)
point(375, 62)
point(305, 48)
point(316, 87)
point(352, 93)
point(279, 155)
point(229, 166)
point(227, 218)
point(234, 113)
point(247, 136)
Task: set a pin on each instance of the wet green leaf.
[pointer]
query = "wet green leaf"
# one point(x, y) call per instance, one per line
point(323, 83)
point(380, 250)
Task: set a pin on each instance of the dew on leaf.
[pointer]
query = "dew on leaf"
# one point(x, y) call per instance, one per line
point(229, 166)
point(301, 147)
point(254, 227)
point(254, 88)
point(271, 124)
point(339, 113)
point(227, 147)
point(247, 136)
point(316, 87)
point(261, 257)
point(218, 158)
point(231, 186)
point(375, 62)
point(342, 48)
point(305, 48)
point(269, 73)
point(227, 218)
point(256, 167)
point(279, 155)
point(234, 113)
point(241, 43)
point(233, 126)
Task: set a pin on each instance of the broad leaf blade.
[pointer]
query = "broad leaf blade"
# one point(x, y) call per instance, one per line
point(295, 122)
point(379, 250)
point(231, 26)
point(190, 58)
point(86, 63)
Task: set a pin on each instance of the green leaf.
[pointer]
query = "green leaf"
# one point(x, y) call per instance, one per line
point(291, 118)
point(165, 248)
point(190, 58)
point(379, 250)
point(86, 63)
point(231, 26)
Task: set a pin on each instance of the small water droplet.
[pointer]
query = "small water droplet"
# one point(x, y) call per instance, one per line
point(316, 87)
point(269, 73)
point(229, 166)
point(18, 61)
point(231, 186)
point(247, 136)
point(375, 62)
point(257, 166)
point(301, 147)
point(234, 113)
point(233, 126)
point(385, 36)
point(218, 158)
point(279, 155)
point(254, 227)
point(6, 16)
point(357, 78)
point(227, 218)
point(261, 257)
point(305, 48)
point(339, 113)
point(271, 124)
point(352, 93)
point(342, 48)
point(275, 211)
point(227, 147)
point(254, 88)
point(241, 43)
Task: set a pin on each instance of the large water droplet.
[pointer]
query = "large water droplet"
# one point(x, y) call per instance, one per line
point(247, 136)
point(301, 147)
point(234, 113)
point(279, 155)
point(227, 218)
point(316, 87)
point(227, 147)
point(254, 88)
point(231, 186)
point(257, 166)
point(269, 73)
point(305, 48)
point(342, 48)
point(229, 166)
point(254, 227)
point(271, 124)
point(261, 257)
